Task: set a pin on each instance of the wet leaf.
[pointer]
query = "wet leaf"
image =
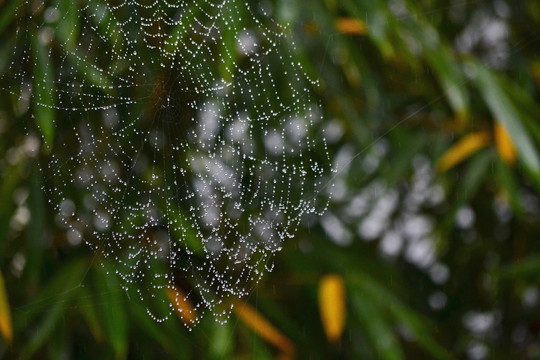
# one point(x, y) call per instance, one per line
point(251, 318)
point(535, 72)
point(504, 110)
point(378, 296)
point(529, 266)
point(169, 337)
point(5, 315)
point(505, 146)
point(510, 192)
point(378, 330)
point(183, 306)
point(351, 26)
point(88, 311)
point(221, 340)
point(45, 328)
point(8, 13)
point(113, 312)
point(450, 78)
point(68, 29)
point(332, 306)
point(229, 52)
point(44, 102)
point(466, 147)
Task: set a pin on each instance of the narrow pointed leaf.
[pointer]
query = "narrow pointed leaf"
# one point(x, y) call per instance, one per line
point(351, 26)
point(5, 315)
point(183, 306)
point(466, 147)
point(505, 112)
point(505, 146)
point(332, 306)
point(263, 327)
point(113, 313)
point(377, 329)
point(43, 92)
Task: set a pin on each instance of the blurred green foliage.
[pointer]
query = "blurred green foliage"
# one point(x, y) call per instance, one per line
point(416, 77)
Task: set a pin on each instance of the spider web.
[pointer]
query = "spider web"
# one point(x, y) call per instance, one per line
point(190, 146)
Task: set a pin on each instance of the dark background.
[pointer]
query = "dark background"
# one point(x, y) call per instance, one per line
point(432, 112)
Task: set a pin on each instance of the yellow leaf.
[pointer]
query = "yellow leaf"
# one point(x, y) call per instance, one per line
point(463, 149)
point(351, 26)
point(311, 27)
point(184, 308)
point(505, 146)
point(264, 328)
point(332, 306)
point(535, 70)
point(284, 356)
point(5, 315)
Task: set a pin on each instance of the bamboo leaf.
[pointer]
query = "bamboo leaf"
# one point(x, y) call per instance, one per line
point(221, 344)
point(529, 266)
point(505, 112)
point(450, 77)
point(43, 91)
point(68, 29)
point(473, 176)
point(62, 287)
point(88, 311)
point(8, 13)
point(466, 147)
point(170, 338)
point(511, 189)
point(378, 331)
point(183, 306)
point(5, 315)
point(251, 318)
point(387, 300)
point(351, 26)
point(332, 306)
point(113, 312)
point(505, 146)
point(44, 329)
point(229, 54)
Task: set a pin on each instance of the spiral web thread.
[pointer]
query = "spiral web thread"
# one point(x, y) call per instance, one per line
point(192, 147)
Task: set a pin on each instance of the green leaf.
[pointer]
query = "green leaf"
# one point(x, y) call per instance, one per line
point(44, 329)
point(43, 91)
point(185, 230)
point(529, 266)
point(113, 311)
point(67, 29)
point(509, 182)
point(232, 12)
point(475, 173)
point(36, 233)
point(384, 298)
point(179, 32)
point(221, 340)
point(88, 309)
point(503, 110)
point(106, 24)
point(450, 78)
point(170, 338)
point(54, 301)
point(60, 288)
point(8, 13)
point(11, 178)
point(378, 330)
point(410, 145)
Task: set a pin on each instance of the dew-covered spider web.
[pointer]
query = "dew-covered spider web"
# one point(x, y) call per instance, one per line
point(183, 142)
